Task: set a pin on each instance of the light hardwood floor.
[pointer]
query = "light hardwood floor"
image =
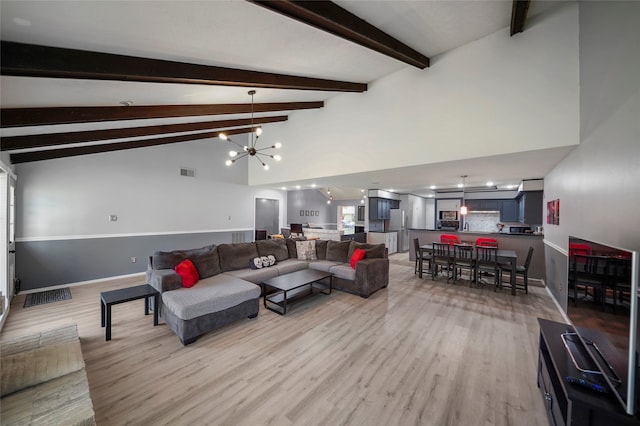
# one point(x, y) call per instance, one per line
point(420, 352)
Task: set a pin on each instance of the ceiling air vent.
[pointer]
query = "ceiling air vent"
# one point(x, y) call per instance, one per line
point(187, 172)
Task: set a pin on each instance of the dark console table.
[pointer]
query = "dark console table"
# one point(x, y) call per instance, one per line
point(114, 297)
point(567, 403)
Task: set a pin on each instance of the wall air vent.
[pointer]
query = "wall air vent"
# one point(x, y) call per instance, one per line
point(187, 172)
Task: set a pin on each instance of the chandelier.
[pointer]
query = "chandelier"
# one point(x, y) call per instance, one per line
point(251, 150)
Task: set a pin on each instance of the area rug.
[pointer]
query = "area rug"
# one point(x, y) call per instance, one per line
point(49, 296)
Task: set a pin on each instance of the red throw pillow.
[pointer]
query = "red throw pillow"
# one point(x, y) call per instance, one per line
point(358, 254)
point(188, 272)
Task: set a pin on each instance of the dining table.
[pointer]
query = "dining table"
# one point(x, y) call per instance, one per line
point(507, 256)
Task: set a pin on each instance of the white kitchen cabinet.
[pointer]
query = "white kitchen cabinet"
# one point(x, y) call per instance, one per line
point(389, 239)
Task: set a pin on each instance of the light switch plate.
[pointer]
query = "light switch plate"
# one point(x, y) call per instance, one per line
point(113, 218)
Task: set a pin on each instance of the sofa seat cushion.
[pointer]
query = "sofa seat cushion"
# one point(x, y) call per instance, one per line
point(236, 256)
point(323, 265)
point(344, 271)
point(62, 401)
point(291, 265)
point(210, 295)
point(255, 276)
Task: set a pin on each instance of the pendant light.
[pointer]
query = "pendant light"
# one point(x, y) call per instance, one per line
point(463, 208)
point(251, 150)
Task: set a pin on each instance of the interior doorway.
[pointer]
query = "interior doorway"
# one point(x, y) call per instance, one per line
point(7, 240)
point(268, 215)
point(347, 219)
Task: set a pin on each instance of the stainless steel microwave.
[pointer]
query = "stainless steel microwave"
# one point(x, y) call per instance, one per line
point(449, 215)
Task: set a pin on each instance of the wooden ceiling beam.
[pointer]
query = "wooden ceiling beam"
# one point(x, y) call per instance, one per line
point(27, 157)
point(519, 15)
point(20, 117)
point(330, 17)
point(30, 60)
point(11, 143)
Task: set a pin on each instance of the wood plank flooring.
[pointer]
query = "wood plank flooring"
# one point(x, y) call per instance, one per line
point(421, 352)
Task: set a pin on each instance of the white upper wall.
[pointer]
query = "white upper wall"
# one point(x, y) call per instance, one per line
point(497, 95)
point(598, 183)
point(74, 196)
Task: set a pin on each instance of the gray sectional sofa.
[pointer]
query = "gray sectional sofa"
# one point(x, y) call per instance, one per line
point(229, 290)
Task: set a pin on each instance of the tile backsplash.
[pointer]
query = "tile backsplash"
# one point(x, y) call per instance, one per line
point(483, 221)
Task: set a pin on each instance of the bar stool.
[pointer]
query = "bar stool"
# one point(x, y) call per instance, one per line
point(449, 239)
point(486, 242)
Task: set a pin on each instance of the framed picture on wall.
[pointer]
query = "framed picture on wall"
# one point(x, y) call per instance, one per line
point(317, 212)
point(306, 212)
point(311, 213)
point(553, 212)
point(301, 212)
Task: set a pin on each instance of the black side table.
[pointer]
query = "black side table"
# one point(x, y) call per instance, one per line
point(109, 298)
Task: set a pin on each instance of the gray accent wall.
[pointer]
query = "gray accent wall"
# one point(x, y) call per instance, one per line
point(598, 183)
point(307, 200)
point(57, 262)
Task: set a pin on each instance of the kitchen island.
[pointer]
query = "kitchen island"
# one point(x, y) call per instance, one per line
point(518, 242)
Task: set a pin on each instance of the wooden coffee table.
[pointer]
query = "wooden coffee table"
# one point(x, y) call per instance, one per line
point(294, 286)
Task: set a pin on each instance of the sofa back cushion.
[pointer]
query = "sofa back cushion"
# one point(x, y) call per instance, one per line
point(278, 248)
point(205, 259)
point(338, 251)
point(370, 250)
point(236, 256)
point(321, 249)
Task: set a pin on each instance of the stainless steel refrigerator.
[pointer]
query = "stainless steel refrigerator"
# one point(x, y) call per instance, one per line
point(398, 222)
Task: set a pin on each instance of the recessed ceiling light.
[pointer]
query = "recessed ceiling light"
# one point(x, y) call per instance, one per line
point(430, 195)
point(460, 185)
point(297, 186)
point(432, 187)
point(313, 185)
point(284, 188)
point(490, 183)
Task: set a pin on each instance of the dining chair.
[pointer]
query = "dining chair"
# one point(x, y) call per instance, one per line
point(619, 279)
point(285, 232)
point(463, 259)
point(487, 261)
point(449, 239)
point(421, 256)
point(520, 270)
point(441, 256)
point(589, 272)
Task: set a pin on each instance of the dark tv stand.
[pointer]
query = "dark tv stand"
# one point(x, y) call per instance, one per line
point(566, 403)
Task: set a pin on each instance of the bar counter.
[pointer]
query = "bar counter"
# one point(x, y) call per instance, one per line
point(518, 242)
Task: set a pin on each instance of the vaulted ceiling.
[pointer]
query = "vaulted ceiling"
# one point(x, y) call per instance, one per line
point(88, 77)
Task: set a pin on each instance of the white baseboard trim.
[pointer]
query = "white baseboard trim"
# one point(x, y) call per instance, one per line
point(55, 287)
point(562, 312)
